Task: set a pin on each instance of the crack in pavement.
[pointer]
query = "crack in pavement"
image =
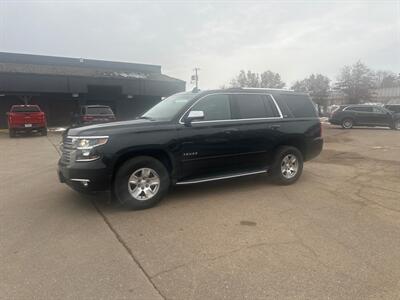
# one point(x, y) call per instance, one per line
point(128, 250)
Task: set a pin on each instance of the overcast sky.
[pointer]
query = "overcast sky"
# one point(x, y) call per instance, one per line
point(294, 38)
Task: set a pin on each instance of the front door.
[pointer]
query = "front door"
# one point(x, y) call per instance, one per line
point(209, 146)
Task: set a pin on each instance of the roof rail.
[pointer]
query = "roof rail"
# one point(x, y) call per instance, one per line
point(273, 89)
point(255, 88)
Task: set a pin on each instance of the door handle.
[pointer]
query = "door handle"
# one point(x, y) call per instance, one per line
point(231, 130)
point(275, 127)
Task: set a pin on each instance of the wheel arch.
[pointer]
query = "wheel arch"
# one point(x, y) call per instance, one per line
point(297, 142)
point(160, 154)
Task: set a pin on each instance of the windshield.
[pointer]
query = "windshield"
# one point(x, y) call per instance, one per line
point(28, 108)
point(167, 109)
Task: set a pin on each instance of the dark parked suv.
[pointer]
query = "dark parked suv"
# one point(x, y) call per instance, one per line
point(93, 114)
point(191, 138)
point(364, 115)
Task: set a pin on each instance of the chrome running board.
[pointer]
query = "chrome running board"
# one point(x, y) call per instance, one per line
point(220, 177)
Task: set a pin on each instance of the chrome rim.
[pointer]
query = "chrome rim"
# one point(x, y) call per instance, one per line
point(289, 166)
point(347, 124)
point(144, 184)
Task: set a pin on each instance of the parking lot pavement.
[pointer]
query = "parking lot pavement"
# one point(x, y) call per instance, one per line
point(53, 243)
point(334, 234)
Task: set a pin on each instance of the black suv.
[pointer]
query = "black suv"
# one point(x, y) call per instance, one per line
point(93, 114)
point(364, 115)
point(191, 138)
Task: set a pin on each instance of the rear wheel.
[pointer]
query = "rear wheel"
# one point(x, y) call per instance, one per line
point(288, 165)
point(43, 131)
point(347, 123)
point(141, 182)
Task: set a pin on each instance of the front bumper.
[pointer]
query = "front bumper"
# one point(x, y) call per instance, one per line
point(85, 176)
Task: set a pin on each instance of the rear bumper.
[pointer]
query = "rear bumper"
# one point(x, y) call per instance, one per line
point(334, 121)
point(314, 148)
point(21, 127)
point(85, 176)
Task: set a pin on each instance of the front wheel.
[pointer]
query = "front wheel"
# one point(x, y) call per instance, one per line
point(141, 182)
point(288, 165)
point(396, 125)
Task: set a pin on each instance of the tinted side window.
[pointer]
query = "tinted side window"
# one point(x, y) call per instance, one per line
point(395, 108)
point(300, 106)
point(272, 111)
point(360, 108)
point(215, 107)
point(377, 110)
point(250, 106)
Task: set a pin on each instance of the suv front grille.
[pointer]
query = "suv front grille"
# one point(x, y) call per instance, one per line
point(66, 149)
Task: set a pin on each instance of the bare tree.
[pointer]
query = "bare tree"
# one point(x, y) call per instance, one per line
point(386, 79)
point(357, 82)
point(317, 86)
point(268, 79)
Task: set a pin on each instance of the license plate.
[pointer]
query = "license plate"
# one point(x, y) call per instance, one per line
point(28, 125)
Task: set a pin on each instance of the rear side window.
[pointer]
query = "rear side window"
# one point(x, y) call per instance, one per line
point(215, 107)
point(298, 106)
point(31, 108)
point(99, 111)
point(250, 106)
point(360, 108)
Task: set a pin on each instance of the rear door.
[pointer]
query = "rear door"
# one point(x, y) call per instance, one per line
point(362, 114)
point(380, 117)
point(259, 121)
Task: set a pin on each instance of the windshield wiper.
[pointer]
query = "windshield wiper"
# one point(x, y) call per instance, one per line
point(145, 118)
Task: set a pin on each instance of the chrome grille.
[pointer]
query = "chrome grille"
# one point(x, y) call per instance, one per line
point(66, 149)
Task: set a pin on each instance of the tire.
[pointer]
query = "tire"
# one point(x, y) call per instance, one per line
point(280, 171)
point(396, 125)
point(43, 132)
point(143, 172)
point(347, 123)
point(11, 132)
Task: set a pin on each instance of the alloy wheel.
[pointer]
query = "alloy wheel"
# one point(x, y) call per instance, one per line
point(289, 166)
point(144, 184)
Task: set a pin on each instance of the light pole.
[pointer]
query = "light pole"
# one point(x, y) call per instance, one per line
point(195, 78)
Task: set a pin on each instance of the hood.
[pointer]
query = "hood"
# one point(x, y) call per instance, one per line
point(114, 127)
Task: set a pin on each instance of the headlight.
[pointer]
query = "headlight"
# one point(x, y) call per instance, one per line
point(85, 147)
point(90, 142)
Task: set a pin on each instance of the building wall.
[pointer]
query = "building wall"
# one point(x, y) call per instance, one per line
point(60, 107)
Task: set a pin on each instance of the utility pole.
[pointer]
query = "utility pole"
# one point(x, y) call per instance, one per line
point(195, 78)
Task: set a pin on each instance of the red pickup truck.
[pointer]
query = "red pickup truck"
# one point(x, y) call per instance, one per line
point(26, 118)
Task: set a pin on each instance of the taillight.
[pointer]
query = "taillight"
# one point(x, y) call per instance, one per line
point(87, 118)
point(320, 129)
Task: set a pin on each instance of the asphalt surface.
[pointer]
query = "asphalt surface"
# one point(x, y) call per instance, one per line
point(335, 234)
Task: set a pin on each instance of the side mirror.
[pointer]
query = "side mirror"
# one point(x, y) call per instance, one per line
point(193, 116)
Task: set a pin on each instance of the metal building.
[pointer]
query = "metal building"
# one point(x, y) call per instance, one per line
point(59, 85)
